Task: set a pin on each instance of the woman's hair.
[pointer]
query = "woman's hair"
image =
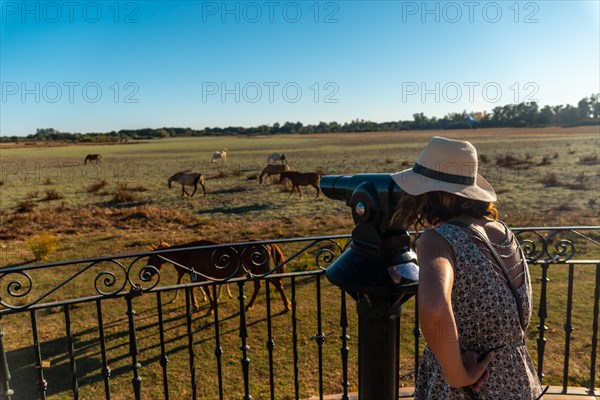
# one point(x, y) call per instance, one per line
point(433, 208)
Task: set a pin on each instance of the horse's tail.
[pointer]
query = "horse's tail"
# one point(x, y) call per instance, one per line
point(277, 256)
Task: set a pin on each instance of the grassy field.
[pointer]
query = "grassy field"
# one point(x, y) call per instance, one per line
point(544, 177)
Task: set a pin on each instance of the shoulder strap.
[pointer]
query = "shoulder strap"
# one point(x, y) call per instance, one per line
point(498, 259)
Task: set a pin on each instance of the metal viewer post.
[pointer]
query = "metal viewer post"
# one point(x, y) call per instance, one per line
point(363, 271)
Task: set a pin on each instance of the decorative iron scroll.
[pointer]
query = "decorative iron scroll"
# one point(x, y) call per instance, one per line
point(329, 252)
point(19, 283)
point(557, 245)
point(26, 286)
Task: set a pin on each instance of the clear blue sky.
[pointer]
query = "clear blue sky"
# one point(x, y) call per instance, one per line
point(104, 65)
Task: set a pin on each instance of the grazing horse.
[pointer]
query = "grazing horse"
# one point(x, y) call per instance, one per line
point(205, 264)
point(92, 157)
point(277, 157)
point(301, 179)
point(219, 155)
point(189, 179)
point(272, 169)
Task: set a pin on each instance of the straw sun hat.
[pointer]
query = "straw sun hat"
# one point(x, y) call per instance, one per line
point(446, 165)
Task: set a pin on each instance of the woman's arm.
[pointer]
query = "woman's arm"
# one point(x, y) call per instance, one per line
point(436, 278)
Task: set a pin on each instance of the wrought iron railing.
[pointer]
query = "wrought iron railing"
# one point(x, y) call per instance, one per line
point(63, 320)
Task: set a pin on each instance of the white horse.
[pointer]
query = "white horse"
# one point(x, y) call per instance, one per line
point(188, 179)
point(277, 157)
point(219, 155)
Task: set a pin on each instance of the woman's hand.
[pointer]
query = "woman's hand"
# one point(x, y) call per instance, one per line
point(476, 369)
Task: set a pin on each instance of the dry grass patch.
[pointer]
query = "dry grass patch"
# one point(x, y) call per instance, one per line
point(95, 219)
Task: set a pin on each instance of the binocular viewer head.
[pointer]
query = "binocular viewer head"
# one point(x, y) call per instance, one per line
point(372, 197)
point(379, 259)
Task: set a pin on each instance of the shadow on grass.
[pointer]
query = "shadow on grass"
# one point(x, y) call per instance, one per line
point(123, 205)
point(238, 210)
point(238, 189)
point(87, 355)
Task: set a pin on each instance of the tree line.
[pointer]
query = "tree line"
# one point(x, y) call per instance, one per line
point(528, 114)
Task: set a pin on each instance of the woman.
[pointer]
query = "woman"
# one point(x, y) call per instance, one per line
point(474, 286)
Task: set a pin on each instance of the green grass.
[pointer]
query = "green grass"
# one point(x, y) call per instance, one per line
point(89, 224)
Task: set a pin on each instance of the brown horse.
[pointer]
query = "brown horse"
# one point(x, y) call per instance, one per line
point(272, 169)
point(302, 179)
point(204, 266)
point(92, 157)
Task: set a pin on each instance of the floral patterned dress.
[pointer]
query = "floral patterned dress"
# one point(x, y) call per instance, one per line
point(486, 317)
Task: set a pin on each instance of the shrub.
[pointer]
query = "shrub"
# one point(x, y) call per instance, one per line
point(42, 245)
point(52, 194)
point(95, 187)
point(581, 178)
point(222, 174)
point(564, 207)
point(123, 195)
point(545, 161)
point(25, 206)
point(510, 161)
point(550, 180)
point(589, 160)
point(138, 188)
